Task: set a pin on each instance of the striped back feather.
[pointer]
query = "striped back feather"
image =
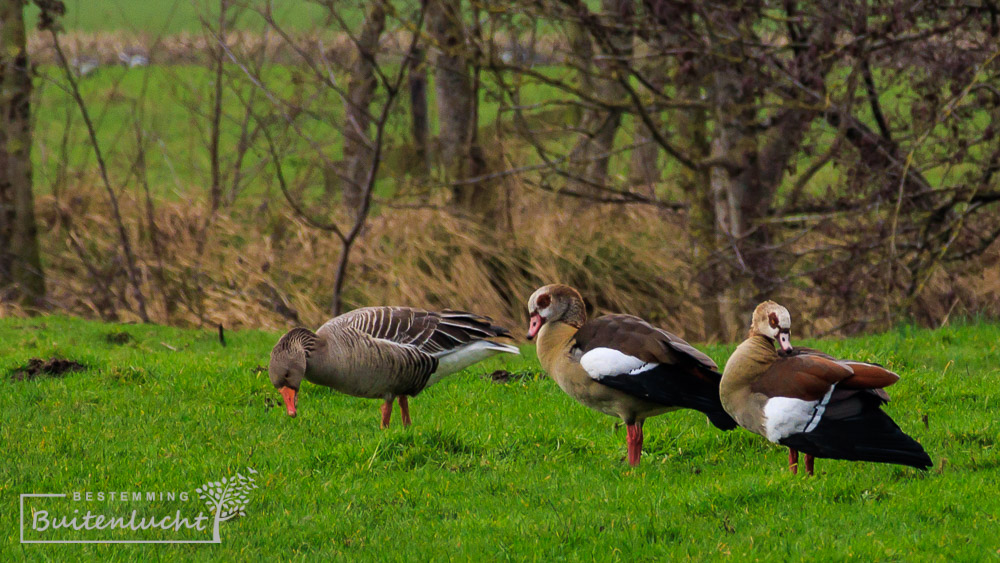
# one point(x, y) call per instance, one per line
point(428, 331)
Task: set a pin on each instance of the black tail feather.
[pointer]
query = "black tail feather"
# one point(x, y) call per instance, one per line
point(691, 387)
point(713, 408)
point(868, 434)
point(720, 419)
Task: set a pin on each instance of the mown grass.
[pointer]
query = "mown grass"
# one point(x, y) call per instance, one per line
point(487, 471)
point(169, 106)
point(179, 16)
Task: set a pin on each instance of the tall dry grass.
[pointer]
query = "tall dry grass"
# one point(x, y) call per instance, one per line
point(262, 268)
point(265, 268)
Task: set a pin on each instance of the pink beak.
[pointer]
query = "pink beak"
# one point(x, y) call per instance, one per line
point(291, 399)
point(785, 340)
point(535, 325)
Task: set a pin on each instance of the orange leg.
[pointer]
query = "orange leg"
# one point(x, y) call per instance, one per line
point(386, 412)
point(793, 460)
point(809, 464)
point(404, 410)
point(634, 441)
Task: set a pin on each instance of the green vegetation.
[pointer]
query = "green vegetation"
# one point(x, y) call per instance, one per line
point(176, 16)
point(487, 471)
point(169, 104)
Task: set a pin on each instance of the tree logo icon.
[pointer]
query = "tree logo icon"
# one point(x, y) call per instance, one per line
point(228, 498)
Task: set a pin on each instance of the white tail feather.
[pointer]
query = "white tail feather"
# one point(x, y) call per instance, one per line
point(458, 359)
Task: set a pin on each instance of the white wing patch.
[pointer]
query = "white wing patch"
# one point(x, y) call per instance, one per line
point(604, 362)
point(784, 416)
point(452, 361)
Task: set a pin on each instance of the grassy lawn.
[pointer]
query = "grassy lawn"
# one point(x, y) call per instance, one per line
point(170, 105)
point(488, 470)
point(180, 16)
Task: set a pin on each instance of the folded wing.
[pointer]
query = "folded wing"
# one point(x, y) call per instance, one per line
point(628, 354)
point(832, 408)
point(431, 332)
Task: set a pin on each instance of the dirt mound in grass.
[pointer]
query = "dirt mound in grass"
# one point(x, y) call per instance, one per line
point(52, 367)
point(118, 338)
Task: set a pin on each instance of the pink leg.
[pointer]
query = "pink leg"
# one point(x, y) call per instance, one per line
point(386, 412)
point(809, 464)
point(634, 441)
point(404, 409)
point(793, 460)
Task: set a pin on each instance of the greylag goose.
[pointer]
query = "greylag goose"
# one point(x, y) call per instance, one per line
point(811, 402)
point(621, 365)
point(384, 353)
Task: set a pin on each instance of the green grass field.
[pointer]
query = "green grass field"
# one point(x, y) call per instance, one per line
point(487, 471)
point(169, 104)
point(161, 17)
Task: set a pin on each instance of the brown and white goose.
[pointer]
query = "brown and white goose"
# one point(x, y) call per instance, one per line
point(621, 365)
point(383, 353)
point(812, 402)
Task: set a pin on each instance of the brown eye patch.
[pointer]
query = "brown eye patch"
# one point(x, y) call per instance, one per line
point(772, 319)
point(543, 301)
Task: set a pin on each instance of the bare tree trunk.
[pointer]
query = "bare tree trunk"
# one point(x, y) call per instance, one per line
point(756, 167)
point(747, 198)
point(706, 197)
point(419, 121)
point(704, 187)
point(21, 275)
point(456, 93)
point(358, 150)
point(644, 166)
point(599, 125)
point(215, 191)
point(131, 267)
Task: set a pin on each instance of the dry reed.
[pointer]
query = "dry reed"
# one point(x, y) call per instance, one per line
point(262, 268)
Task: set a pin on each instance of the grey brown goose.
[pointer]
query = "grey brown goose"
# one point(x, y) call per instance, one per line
point(621, 365)
point(811, 402)
point(383, 353)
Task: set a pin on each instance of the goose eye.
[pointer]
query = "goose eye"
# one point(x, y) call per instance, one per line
point(772, 319)
point(543, 301)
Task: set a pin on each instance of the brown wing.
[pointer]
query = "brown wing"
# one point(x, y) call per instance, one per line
point(803, 377)
point(866, 375)
point(635, 337)
point(869, 376)
point(803, 351)
point(808, 374)
point(632, 356)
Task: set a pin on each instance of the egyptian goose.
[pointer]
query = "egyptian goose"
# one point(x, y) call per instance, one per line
point(384, 353)
point(621, 365)
point(812, 402)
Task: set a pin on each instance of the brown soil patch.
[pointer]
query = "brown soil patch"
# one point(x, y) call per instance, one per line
point(37, 367)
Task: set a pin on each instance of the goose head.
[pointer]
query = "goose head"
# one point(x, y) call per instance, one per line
point(288, 365)
point(773, 322)
point(555, 302)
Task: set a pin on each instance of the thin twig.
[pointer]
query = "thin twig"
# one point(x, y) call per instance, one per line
point(133, 273)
